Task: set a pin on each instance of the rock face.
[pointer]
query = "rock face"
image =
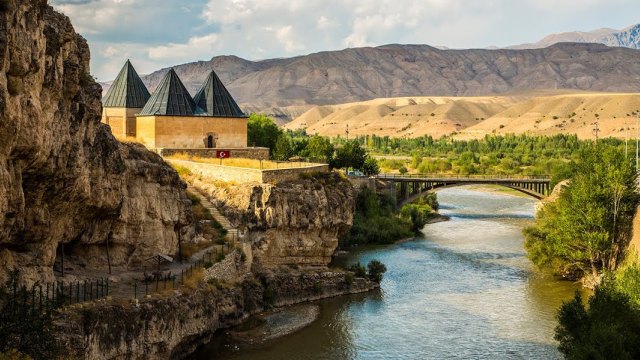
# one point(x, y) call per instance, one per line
point(291, 223)
point(64, 179)
point(172, 327)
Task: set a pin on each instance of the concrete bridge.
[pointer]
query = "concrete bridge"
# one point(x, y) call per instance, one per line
point(408, 188)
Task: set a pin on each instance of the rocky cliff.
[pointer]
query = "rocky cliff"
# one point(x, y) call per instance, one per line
point(290, 223)
point(172, 327)
point(64, 179)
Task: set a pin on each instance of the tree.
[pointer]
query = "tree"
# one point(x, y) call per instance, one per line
point(375, 270)
point(350, 155)
point(370, 166)
point(608, 329)
point(262, 132)
point(283, 149)
point(319, 149)
point(584, 231)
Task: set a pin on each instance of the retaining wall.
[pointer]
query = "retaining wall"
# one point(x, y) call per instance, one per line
point(246, 175)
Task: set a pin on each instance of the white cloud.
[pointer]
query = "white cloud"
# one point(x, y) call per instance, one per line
point(197, 48)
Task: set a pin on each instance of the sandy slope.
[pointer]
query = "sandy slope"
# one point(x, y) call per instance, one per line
point(538, 112)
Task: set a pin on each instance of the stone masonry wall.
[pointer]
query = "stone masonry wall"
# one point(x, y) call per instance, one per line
point(246, 175)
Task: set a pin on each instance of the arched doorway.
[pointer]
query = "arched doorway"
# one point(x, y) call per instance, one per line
point(210, 142)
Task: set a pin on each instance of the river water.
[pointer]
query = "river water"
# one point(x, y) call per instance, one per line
point(464, 291)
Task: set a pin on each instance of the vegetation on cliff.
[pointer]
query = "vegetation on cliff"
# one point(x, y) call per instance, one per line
point(586, 230)
point(378, 221)
point(608, 328)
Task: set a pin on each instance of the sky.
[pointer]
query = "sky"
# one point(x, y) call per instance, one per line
point(159, 33)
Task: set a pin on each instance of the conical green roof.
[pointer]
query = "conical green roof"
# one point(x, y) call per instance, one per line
point(213, 99)
point(127, 90)
point(170, 98)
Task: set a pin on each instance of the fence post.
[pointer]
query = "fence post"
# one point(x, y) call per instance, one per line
point(107, 286)
point(77, 291)
point(135, 290)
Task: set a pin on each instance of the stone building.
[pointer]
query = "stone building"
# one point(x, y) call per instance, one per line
point(170, 118)
point(124, 100)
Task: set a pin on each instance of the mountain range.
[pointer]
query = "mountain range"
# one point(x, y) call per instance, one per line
point(629, 37)
point(286, 88)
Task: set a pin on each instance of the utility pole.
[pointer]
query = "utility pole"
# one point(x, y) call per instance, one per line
point(347, 132)
point(637, 128)
point(596, 130)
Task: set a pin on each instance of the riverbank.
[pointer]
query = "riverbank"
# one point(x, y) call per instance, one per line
point(464, 290)
point(174, 326)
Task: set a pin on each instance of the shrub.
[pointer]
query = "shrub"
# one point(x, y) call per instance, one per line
point(269, 297)
point(376, 270)
point(348, 278)
point(358, 270)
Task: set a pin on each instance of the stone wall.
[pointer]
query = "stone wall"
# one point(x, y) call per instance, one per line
point(256, 153)
point(191, 132)
point(246, 175)
point(121, 120)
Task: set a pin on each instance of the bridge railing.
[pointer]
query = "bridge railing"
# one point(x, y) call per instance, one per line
point(462, 177)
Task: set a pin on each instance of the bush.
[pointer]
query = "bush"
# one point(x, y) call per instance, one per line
point(358, 270)
point(375, 221)
point(376, 270)
point(348, 278)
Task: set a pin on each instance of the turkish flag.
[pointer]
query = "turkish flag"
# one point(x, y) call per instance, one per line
point(223, 154)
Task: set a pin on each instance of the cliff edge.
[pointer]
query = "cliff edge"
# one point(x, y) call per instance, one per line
point(64, 179)
point(294, 222)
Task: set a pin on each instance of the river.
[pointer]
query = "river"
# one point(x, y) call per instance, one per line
point(463, 291)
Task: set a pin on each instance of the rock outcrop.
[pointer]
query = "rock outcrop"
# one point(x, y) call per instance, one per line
point(172, 327)
point(64, 179)
point(291, 223)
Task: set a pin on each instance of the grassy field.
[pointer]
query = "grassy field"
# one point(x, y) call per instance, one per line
point(243, 163)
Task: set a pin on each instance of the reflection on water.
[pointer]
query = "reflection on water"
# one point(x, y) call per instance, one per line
point(465, 291)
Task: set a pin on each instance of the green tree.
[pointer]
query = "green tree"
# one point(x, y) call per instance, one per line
point(585, 230)
point(376, 270)
point(319, 149)
point(370, 166)
point(350, 155)
point(608, 329)
point(262, 132)
point(283, 149)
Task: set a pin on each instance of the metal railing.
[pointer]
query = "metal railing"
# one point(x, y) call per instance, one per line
point(463, 177)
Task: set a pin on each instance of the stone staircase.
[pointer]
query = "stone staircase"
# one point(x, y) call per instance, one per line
point(233, 235)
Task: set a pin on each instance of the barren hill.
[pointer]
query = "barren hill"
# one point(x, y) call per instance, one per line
point(359, 74)
point(542, 113)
